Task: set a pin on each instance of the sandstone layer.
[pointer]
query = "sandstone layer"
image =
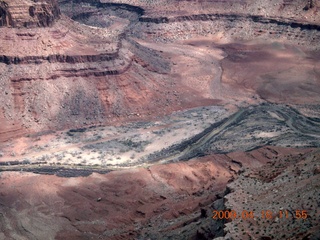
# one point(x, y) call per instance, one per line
point(28, 13)
point(128, 119)
point(110, 67)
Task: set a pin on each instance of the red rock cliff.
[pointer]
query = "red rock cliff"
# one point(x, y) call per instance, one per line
point(28, 13)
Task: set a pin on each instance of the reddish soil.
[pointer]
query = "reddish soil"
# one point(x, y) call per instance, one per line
point(122, 204)
point(274, 72)
point(151, 59)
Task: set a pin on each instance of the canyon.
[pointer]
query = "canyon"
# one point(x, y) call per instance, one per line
point(138, 119)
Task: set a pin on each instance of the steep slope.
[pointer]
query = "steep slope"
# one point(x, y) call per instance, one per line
point(131, 62)
point(172, 201)
point(283, 196)
point(28, 13)
point(252, 68)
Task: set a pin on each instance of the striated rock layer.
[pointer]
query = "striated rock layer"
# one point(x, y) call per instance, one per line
point(28, 13)
point(124, 60)
point(110, 62)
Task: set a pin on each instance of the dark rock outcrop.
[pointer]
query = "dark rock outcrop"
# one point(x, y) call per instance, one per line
point(232, 18)
point(31, 14)
point(5, 16)
point(58, 58)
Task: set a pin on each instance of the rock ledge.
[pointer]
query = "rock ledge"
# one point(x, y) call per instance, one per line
point(28, 13)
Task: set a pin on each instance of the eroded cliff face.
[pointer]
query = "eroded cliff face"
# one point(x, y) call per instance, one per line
point(28, 13)
point(104, 63)
point(299, 10)
point(74, 75)
point(107, 62)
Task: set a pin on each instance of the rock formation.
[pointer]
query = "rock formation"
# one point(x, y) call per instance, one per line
point(28, 13)
point(100, 64)
point(70, 58)
point(160, 202)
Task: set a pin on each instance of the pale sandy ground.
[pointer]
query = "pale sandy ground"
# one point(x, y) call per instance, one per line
point(161, 201)
point(110, 146)
point(109, 206)
point(195, 65)
point(31, 201)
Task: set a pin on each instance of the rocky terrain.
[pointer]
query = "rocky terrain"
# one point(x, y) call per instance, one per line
point(28, 14)
point(129, 119)
point(284, 185)
point(119, 49)
point(172, 201)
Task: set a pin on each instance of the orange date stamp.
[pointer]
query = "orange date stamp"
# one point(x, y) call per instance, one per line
point(264, 214)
